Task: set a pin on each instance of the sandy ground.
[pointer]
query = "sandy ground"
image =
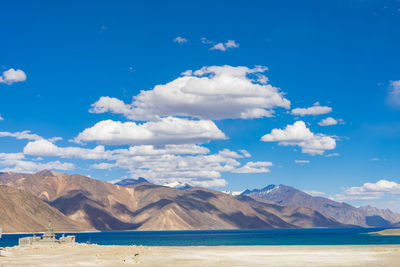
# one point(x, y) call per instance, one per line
point(94, 255)
point(387, 232)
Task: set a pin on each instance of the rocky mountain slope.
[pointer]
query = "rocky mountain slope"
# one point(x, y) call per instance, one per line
point(341, 212)
point(146, 206)
point(21, 211)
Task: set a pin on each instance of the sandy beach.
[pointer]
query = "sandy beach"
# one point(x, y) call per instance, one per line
point(387, 232)
point(95, 255)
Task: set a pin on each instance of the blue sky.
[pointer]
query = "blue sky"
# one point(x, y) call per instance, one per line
point(339, 58)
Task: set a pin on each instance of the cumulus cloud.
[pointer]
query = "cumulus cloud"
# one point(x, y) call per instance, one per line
point(168, 130)
point(245, 153)
point(16, 162)
point(12, 76)
point(223, 46)
point(186, 163)
point(316, 109)
point(180, 40)
point(255, 167)
point(215, 92)
point(231, 44)
point(393, 97)
point(328, 121)
point(369, 191)
point(196, 170)
point(47, 149)
point(24, 166)
point(21, 135)
point(11, 156)
point(299, 135)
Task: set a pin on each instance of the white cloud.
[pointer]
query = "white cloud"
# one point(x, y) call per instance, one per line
point(180, 40)
point(393, 97)
point(216, 92)
point(230, 44)
point(204, 40)
point(301, 161)
point(168, 130)
point(245, 153)
point(219, 46)
point(328, 121)
point(369, 191)
point(16, 162)
point(316, 109)
point(187, 163)
point(21, 135)
point(11, 156)
point(12, 76)
point(1, 118)
point(230, 154)
point(299, 135)
point(197, 170)
point(47, 149)
point(149, 150)
point(255, 167)
point(32, 167)
point(315, 193)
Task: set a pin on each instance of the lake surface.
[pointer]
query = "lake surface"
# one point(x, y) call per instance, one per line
point(337, 236)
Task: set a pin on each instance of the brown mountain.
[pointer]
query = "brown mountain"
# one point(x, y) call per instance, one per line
point(21, 211)
point(342, 212)
point(146, 206)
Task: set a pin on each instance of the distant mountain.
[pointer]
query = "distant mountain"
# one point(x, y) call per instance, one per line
point(302, 217)
point(21, 211)
point(341, 212)
point(127, 182)
point(146, 206)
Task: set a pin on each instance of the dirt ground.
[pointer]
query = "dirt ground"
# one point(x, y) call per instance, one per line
point(95, 255)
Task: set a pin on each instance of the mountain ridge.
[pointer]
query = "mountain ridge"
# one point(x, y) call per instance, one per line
point(342, 212)
point(145, 206)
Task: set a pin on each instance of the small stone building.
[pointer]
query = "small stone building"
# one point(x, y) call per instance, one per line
point(49, 237)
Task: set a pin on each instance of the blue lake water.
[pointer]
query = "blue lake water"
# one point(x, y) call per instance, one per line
point(339, 236)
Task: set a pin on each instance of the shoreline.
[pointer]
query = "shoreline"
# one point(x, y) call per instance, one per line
point(57, 232)
point(184, 230)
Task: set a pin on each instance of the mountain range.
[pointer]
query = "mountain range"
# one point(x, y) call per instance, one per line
point(104, 206)
point(342, 212)
point(84, 203)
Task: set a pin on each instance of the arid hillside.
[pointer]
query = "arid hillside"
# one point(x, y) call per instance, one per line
point(21, 211)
